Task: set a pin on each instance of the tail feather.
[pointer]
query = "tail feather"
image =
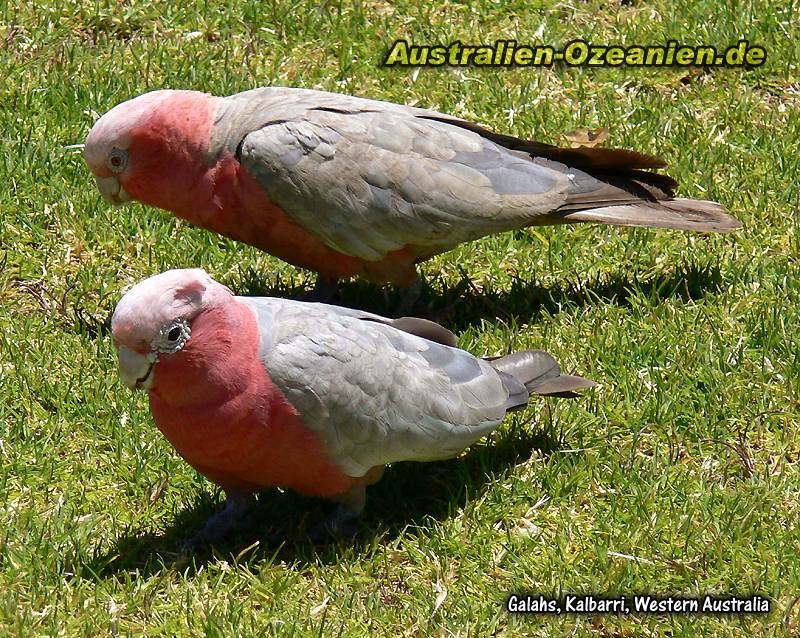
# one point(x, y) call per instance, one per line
point(421, 328)
point(565, 386)
point(540, 373)
point(679, 214)
point(632, 194)
point(598, 159)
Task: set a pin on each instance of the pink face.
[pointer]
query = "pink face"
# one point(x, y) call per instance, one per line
point(151, 148)
point(153, 320)
point(107, 147)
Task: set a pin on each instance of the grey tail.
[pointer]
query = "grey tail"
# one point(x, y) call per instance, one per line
point(540, 373)
point(631, 192)
point(421, 328)
point(426, 329)
point(679, 214)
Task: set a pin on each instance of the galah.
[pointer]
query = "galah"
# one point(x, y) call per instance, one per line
point(259, 392)
point(347, 186)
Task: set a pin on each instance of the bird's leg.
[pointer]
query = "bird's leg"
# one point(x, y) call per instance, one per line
point(324, 290)
point(340, 523)
point(229, 519)
point(409, 296)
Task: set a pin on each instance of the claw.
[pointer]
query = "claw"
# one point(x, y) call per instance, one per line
point(324, 290)
point(409, 297)
point(340, 524)
point(232, 518)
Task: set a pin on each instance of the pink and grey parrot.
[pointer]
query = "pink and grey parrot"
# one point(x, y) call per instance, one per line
point(265, 392)
point(348, 186)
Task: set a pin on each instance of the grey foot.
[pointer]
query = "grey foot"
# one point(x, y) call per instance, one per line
point(340, 524)
point(324, 290)
point(232, 518)
point(409, 296)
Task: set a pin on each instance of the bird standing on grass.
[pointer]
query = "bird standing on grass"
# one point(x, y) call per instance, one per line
point(263, 392)
point(347, 186)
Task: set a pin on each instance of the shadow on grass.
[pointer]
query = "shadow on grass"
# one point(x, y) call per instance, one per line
point(462, 304)
point(408, 496)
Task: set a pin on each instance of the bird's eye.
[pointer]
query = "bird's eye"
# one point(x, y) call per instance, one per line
point(117, 160)
point(172, 337)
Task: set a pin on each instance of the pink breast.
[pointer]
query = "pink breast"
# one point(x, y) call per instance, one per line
point(217, 405)
point(242, 210)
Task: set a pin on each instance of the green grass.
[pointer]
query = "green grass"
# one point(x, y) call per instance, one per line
point(687, 456)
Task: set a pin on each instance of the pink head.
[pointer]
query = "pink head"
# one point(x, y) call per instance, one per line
point(154, 323)
point(152, 148)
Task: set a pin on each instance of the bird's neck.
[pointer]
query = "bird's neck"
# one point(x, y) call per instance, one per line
point(216, 365)
point(172, 151)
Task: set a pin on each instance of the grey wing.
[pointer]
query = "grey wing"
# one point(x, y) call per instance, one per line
point(424, 328)
point(375, 394)
point(369, 178)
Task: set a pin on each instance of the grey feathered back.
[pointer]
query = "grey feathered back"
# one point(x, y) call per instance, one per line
point(371, 177)
point(375, 392)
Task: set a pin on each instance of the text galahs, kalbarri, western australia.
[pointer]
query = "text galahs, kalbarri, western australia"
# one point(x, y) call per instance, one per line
point(263, 392)
point(348, 186)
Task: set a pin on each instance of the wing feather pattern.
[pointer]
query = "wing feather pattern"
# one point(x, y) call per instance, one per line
point(371, 177)
point(373, 393)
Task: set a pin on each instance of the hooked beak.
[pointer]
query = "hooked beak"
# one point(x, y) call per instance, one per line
point(136, 369)
point(112, 190)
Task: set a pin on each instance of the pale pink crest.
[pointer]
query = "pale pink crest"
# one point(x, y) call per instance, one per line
point(113, 129)
point(161, 299)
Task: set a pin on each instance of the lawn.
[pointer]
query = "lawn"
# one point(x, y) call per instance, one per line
point(679, 474)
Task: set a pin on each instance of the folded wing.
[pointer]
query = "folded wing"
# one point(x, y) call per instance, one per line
point(370, 177)
point(375, 394)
